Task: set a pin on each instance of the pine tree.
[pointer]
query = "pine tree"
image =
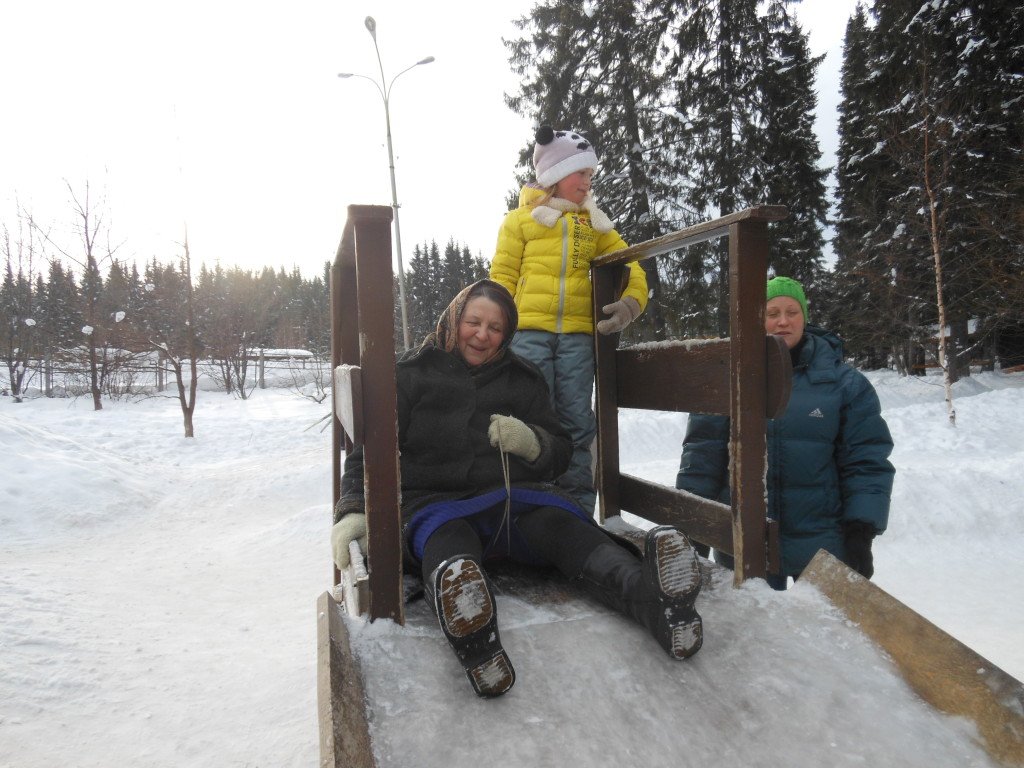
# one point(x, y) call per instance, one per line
point(921, 201)
point(61, 319)
point(595, 70)
point(990, 92)
point(789, 150)
point(861, 276)
point(716, 60)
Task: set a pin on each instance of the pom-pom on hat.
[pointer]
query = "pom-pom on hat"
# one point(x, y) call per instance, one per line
point(559, 153)
point(787, 286)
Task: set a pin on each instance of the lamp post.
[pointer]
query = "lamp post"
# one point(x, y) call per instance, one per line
point(385, 94)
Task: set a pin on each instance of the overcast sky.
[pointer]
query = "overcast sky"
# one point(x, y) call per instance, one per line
point(229, 117)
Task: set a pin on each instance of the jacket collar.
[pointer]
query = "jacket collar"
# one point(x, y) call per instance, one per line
point(821, 355)
point(547, 215)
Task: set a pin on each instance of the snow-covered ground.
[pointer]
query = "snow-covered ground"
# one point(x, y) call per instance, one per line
point(158, 594)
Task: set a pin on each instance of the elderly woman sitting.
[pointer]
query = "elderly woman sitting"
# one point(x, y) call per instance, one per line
point(479, 447)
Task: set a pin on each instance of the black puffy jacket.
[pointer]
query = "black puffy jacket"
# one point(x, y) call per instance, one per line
point(444, 411)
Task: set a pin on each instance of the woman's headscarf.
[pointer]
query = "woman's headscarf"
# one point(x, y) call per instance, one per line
point(446, 335)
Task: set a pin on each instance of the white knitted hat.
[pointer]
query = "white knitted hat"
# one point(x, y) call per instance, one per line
point(559, 153)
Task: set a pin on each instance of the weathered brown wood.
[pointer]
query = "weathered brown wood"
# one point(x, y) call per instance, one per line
point(774, 548)
point(942, 670)
point(780, 377)
point(381, 479)
point(348, 401)
point(706, 521)
point(606, 282)
point(709, 522)
point(693, 376)
point(341, 701)
point(748, 265)
point(699, 233)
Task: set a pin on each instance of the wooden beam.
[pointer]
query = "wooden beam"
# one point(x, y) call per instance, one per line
point(341, 701)
point(699, 233)
point(709, 522)
point(694, 376)
point(606, 283)
point(381, 477)
point(942, 670)
point(748, 266)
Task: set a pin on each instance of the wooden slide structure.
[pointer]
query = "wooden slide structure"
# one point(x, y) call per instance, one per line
point(746, 376)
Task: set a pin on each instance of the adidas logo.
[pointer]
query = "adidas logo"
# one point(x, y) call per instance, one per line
point(816, 414)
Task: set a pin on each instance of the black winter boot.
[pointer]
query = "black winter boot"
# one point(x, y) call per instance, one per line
point(659, 592)
point(465, 607)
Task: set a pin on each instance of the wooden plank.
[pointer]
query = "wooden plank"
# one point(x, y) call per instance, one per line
point(606, 282)
point(699, 233)
point(341, 701)
point(348, 401)
point(706, 521)
point(943, 671)
point(774, 547)
point(748, 266)
point(381, 477)
point(693, 376)
point(780, 377)
point(703, 520)
point(344, 347)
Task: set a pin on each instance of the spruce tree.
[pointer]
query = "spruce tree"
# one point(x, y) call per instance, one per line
point(717, 54)
point(861, 277)
point(788, 170)
point(596, 72)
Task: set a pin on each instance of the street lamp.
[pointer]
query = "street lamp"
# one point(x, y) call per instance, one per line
point(385, 94)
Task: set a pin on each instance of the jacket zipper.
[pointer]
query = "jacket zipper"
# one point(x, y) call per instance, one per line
point(561, 278)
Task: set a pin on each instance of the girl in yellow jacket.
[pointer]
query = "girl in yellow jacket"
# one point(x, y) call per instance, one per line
point(543, 258)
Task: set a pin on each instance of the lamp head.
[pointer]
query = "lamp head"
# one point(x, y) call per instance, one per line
point(371, 27)
point(425, 61)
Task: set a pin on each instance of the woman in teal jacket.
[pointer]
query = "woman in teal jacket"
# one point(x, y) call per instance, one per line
point(829, 476)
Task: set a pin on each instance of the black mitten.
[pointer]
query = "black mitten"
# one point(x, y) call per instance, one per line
point(857, 536)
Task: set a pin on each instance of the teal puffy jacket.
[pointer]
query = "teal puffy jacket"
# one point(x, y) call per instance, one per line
point(828, 456)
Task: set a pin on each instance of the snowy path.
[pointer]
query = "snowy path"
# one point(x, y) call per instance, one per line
point(175, 626)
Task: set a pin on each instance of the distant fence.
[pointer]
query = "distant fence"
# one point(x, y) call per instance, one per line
point(125, 373)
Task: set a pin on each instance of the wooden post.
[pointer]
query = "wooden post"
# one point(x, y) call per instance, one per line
point(344, 350)
point(748, 396)
point(381, 478)
point(262, 365)
point(605, 282)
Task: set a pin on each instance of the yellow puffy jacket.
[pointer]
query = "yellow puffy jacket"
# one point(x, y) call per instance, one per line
point(543, 257)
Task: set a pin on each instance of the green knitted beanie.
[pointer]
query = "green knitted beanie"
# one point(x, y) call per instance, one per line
point(787, 286)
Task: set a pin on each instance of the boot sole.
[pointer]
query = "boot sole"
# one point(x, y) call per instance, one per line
point(468, 618)
point(466, 605)
point(679, 580)
point(494, 677)
point(677, 568)
point(687, 638)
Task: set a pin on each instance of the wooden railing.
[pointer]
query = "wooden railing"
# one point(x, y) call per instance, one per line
point(747, 377)
point(363, 361)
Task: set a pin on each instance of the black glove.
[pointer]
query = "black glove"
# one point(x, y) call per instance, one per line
point(857, 536)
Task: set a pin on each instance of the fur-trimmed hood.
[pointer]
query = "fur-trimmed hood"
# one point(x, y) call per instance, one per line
point(551, 210)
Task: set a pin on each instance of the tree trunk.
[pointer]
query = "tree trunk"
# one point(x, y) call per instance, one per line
point(933, 231)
